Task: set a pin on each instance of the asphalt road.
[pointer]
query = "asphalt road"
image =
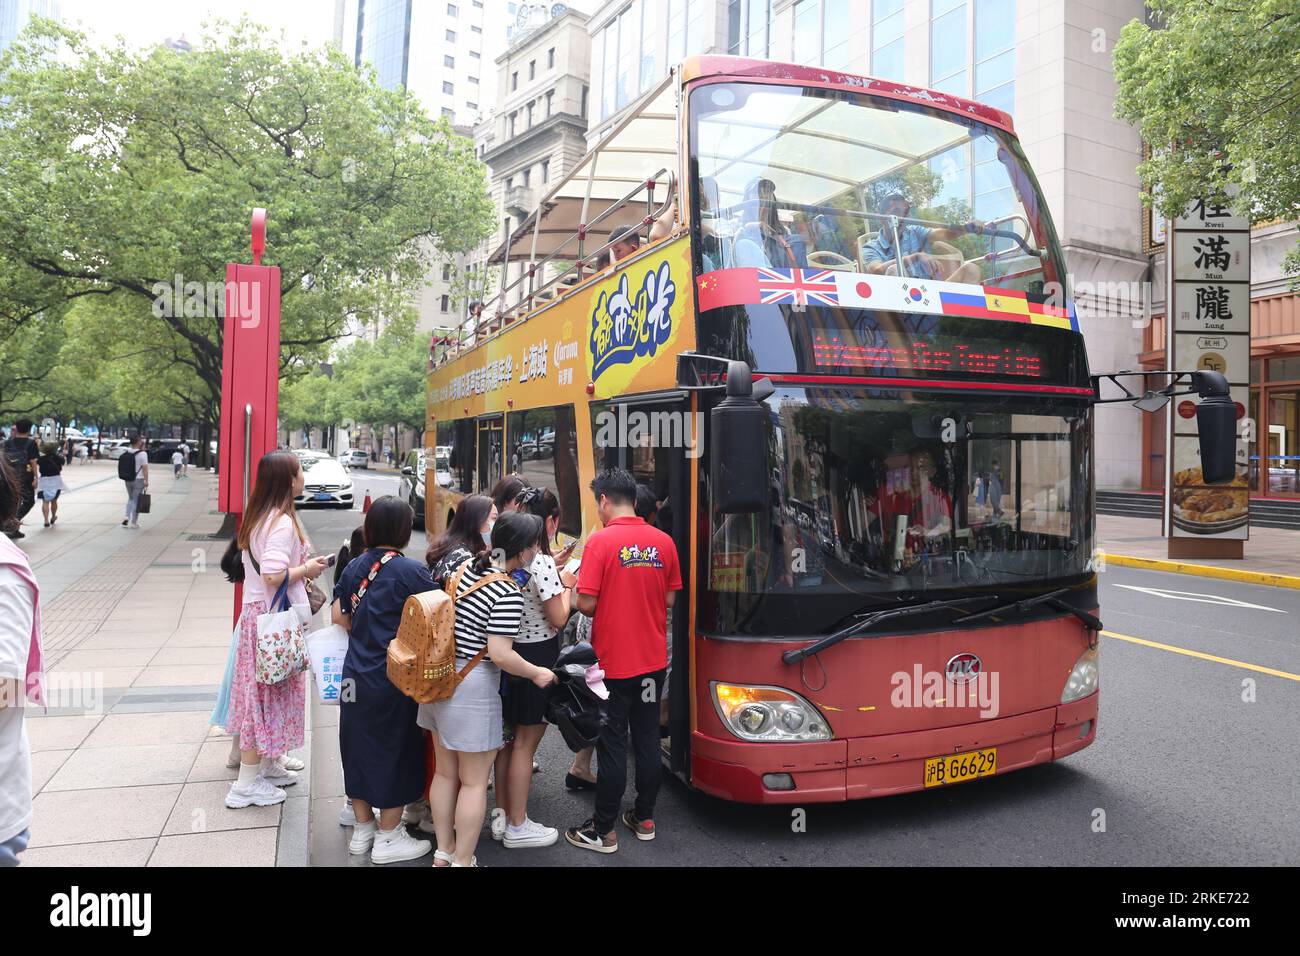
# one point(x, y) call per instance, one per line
point(1185, 770)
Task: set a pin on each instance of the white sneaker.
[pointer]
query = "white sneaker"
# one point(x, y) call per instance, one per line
point(259, 793)
point(277, 775)
point(347, 816)
point(415, 812)
point(394, 845)
point(363, 837)
point(498, 824)
point(426, 826)
point(530, 834)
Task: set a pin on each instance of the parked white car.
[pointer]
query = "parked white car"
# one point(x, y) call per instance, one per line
point(115, 448)
point(355, 458)
point(327, 483)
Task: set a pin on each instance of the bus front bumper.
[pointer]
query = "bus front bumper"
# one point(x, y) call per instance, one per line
point(859, 767)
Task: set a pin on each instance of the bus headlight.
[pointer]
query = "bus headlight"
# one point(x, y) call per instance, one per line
point(768, 714)
point(1083, 678)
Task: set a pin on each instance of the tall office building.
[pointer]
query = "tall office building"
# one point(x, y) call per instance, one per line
point(14, 15)
point(1048, 64)
point(441, 53)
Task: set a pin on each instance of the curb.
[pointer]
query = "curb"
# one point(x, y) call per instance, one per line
point(1206, 571)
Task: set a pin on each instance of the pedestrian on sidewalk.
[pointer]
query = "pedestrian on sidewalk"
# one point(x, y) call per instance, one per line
point(49, 483)
point(380, 746)
point(467, 726)
point(269, 717)
point(184, 450)
point(21, 451)
point(523, 703)
point(20, 677)
point(133, 468)
point(628, 580)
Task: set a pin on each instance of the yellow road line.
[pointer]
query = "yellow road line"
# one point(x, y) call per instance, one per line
point(1205, 657)
point(1206, 571)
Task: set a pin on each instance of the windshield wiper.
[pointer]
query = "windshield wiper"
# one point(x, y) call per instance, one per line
point(1051, 597)
point(868, 619)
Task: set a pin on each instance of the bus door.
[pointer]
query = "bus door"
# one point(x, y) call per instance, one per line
point(652, 436)
point(491, 450)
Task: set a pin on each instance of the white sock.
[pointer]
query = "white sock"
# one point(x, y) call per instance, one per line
point(248, 773)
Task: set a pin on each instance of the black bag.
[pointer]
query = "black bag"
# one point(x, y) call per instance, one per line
point(143, 502)
point(126, 469)
point(571, 706)
point(17, 455)
point(232, 563)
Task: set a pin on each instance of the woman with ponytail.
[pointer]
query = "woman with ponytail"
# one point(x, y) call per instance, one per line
point(467, 727)
point(546, 609)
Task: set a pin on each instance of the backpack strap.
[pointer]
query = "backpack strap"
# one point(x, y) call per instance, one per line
point(455, 585)
point(369, 578)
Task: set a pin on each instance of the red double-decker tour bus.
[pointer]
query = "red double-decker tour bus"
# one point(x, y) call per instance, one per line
point(835, 341)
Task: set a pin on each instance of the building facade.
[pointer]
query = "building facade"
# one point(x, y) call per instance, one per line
point(442, 53)
point(1049, 64)
point(537, 131)
point(14, 15)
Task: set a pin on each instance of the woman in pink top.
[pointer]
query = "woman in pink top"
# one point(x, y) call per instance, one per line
point(268, 717)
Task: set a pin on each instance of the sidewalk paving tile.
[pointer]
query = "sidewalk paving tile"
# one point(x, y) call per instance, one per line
point(240, 848)
point(112, 640)
point(211, 762)
point(127, 730)
point(191, 635)
point(85, 660)
point(133, 766)
point(58, 733)
point(45, 763)
point(172, 675)
point(201, 808)
point(92, 816)
point(174, 654)
point(115, 853)
point(106, 676)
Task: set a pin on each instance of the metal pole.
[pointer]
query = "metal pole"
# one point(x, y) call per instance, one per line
point(248, 449)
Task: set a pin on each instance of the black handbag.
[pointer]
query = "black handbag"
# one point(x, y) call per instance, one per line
point(143, 502)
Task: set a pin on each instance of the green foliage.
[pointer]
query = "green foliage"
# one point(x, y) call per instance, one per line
point(126, 168)
point(382, 381)
point(1215, 91)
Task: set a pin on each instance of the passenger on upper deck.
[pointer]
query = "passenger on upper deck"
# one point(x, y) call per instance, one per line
point(763, 240)
point(915, 244)
point(625, 242)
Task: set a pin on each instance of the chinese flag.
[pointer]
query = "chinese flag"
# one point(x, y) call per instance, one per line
point(727, 287)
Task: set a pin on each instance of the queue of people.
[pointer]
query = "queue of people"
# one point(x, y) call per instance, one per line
point(513, 598)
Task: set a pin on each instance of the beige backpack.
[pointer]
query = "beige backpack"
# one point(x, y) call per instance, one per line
point(422, 657)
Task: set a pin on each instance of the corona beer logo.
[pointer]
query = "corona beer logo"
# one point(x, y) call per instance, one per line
point(625, 327)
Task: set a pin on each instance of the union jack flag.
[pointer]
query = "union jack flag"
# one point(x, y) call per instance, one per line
point(797, 286)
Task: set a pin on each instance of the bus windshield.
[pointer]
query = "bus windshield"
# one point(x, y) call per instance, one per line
point(880, 499)
point(799, 177)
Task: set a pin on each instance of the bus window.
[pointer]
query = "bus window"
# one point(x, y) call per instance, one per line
point(543, 452)
point(792, 176)
point(460, 436)
point(490, 454)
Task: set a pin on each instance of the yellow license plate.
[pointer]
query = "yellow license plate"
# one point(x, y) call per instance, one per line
point(959, 768)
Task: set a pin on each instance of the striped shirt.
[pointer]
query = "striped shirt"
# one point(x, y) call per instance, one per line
point(495, 609)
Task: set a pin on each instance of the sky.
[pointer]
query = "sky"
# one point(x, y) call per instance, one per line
point(146, 22)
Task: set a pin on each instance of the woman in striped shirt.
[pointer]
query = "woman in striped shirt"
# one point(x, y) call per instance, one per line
point(468, 726)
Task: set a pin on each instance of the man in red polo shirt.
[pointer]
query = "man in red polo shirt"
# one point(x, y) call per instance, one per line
point(629, 578)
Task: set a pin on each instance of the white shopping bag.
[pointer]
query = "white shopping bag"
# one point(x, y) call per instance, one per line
point(327, 648)
point(281, 641)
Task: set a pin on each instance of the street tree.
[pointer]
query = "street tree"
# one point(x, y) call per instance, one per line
point(133, 172)
point(1215, 90)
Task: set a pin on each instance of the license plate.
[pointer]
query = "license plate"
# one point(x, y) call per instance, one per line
point(958, 768)
point(322, 496)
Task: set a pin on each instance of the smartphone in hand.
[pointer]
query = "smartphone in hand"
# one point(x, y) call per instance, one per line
point(572, 567)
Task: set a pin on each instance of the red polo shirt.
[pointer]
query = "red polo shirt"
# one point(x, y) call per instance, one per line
point(630, 567)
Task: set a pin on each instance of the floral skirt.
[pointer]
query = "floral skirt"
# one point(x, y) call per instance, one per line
point(267, 717)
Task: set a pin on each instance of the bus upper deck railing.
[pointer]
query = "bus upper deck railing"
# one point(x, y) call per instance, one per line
point(503, 315)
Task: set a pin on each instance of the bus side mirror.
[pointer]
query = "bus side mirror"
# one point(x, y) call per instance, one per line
point(1216, 426)
point(738, 458)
